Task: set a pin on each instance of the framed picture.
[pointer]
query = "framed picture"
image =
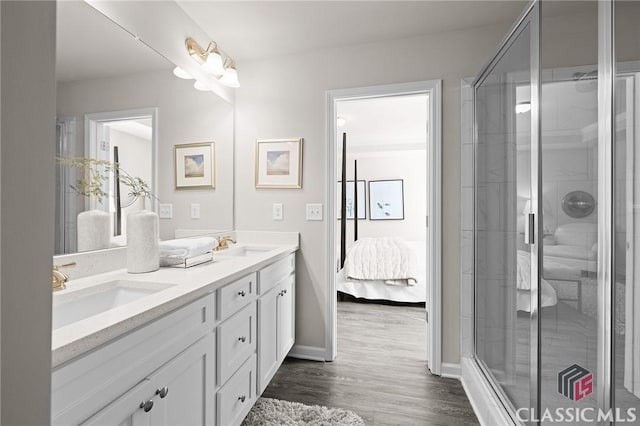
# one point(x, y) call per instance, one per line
point(278, 163)
point(195, 165)
point(362, 200)
point(386, 199)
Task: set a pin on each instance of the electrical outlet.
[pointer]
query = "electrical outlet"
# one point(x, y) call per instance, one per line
point(165, 211)
point(195, 211)
point(314, 211)
point(277, 211)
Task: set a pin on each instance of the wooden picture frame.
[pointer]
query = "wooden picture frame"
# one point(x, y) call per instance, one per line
point(278, 163)
point(195, 165)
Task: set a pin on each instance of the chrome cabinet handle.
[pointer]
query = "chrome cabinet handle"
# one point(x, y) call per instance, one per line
point(242, 339)
point(162, 392)
point(242, 398)
point(146, 406)
point(242, 293)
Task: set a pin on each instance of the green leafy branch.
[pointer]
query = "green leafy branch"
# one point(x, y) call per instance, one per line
point(97, 173)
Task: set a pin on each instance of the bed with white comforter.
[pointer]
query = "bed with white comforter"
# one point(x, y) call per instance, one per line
point(385, 269)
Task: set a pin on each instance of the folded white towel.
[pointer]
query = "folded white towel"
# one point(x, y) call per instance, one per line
point(187, 247)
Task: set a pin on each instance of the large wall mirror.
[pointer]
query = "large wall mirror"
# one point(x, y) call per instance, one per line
point(118, 101)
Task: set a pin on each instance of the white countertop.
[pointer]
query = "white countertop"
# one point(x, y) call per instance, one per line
point(187, 285)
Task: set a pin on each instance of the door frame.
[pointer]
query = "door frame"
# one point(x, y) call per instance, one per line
point(432, 88)
point(91, 137)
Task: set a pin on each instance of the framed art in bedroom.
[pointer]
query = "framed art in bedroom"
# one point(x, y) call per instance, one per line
point(278, 163)
point(386, 199)
point(195, 166)
point(362, 200)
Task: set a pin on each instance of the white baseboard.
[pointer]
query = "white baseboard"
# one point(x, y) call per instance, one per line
point(312, 353)
point(450, 370)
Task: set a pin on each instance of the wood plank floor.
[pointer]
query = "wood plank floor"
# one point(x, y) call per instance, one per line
point(380, 372)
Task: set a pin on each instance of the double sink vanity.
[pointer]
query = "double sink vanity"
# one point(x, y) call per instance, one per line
point(187, 346)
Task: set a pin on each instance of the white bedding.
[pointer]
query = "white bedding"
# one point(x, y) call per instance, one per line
point(389, 259)
point(379, 290)
point(548, 295)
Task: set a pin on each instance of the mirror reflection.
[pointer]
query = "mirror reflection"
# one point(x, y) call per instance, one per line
point(120, 112)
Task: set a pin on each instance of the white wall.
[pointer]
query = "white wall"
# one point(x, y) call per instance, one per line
point(185, 115)
point(134, 157)
point(27, 168)
point(406, 165)
point(285, 96)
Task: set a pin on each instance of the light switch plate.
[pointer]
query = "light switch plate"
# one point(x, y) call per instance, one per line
point(277, 211)
point(195, 211)
point(165, 211)
point(314, 211)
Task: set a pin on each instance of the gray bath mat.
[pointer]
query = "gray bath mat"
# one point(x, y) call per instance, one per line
point(272, 412)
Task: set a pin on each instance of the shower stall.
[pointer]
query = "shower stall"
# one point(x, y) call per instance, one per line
point(554, 307)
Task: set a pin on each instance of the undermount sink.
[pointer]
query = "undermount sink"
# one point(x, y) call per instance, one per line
point(244, 251)
point(70, 307)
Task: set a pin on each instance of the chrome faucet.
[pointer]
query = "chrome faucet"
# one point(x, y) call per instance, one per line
point(59, 279)
point(223, 242)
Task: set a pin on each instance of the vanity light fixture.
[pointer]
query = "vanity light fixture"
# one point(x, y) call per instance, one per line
point(230, 76)
point(198, 85)
point(213, 62)
point(180, 73)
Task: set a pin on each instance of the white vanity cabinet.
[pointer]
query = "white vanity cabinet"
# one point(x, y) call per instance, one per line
point(237, 340)
point(110, 384)
point(176, 394)
point(276, 317)
point(205, 363)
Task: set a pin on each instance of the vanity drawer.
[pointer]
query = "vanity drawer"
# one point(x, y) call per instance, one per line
point(235, 295)
point(236, 397)
point(274, 273)
point(236, 341)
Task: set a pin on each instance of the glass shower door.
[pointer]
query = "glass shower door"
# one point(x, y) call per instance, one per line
point(504, 277)
point(569, 185)
point(626, 283)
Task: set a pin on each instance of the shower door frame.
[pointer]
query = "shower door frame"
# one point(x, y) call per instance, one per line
point(530, 18)
point(605, 386)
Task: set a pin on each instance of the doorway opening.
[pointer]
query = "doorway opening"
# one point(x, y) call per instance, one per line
point(387, 249)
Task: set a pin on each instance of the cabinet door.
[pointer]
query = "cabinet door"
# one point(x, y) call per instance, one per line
point(286, 317)
point(184, 388)
point(179, 393)
point(267, 337)
point(128, 410)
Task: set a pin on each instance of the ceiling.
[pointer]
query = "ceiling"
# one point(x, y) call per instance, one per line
point(386, 123)
point(88, 45)
point(140, 128)
point(249, 30)
point(91, 46)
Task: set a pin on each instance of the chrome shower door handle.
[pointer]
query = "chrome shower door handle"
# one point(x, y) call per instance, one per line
point(529, 229)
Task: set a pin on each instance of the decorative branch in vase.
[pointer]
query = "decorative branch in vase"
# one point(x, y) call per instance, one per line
point(94, 225)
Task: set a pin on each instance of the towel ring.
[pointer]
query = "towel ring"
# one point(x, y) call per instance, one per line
point(578, 204)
